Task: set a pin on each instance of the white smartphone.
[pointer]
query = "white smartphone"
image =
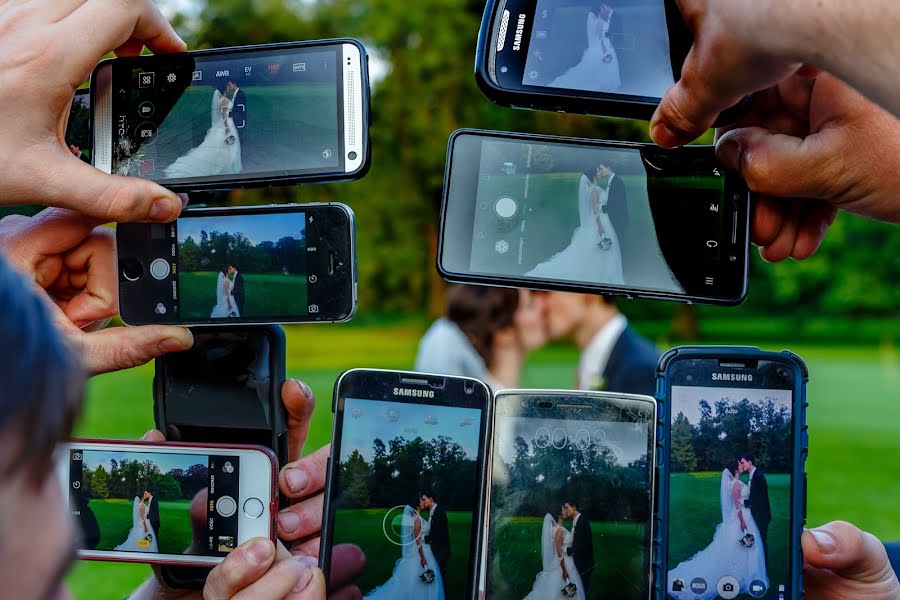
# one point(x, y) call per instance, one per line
point(226, 118)
point(167, 503)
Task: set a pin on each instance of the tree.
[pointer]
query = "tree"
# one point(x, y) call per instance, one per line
point(683, 457)
point(99, 483)
point(355, 481)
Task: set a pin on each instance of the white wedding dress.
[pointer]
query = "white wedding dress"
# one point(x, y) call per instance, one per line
point(223, 295)
point(584, 261)
point(138, 533)
point(405, 582)
point(214, 156)
point(725, 555)
point(549, 583)
point(596, 72)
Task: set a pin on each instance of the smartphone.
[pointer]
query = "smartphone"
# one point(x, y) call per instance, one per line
point(613, 58)
point(593, 216)
point(235, 117)
point(571, 492)
point(733, 488)
point(167, 503)
point(405, 481)
point(78, 129)
point(240, 265)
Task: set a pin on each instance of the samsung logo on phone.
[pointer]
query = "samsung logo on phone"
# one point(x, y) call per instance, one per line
point(520, 29)
point(732, 377)
point(414, 393)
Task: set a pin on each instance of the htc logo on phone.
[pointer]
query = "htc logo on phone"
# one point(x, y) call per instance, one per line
point(414, 393)
point(732, 377)
point(520, 29)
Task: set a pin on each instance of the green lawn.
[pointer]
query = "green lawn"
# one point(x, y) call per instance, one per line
point(364, 527)
point(618, 551)
point(265, 295)
point(115, 515)
point(853, 416)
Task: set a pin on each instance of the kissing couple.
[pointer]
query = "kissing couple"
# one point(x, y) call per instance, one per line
point(567, 557)
point(229, 293)
point(144, 525)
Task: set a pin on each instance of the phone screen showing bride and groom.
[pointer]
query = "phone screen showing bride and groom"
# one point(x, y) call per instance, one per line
point(407, 491)
point(571, 500)
point(730, 493)
point(228, 115)
point(149, 502)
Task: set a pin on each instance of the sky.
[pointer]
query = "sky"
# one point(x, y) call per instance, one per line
point(686, 399)
point(166, 461)
point(627, 440)
point(259, 228)
point(366, 420)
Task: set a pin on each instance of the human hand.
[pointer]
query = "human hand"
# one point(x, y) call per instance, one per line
point(843, 562)
point(49, 49)
point(808, 147)
point(72, 261)
point(303, 481)
point(424, 563)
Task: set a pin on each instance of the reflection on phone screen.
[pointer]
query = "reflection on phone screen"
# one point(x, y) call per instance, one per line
point(151, 502)
point(408, 489)
point(730, 493)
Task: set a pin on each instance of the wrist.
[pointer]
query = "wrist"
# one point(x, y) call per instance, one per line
point(799, 29)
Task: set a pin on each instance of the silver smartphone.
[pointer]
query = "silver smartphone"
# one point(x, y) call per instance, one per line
point(235, 117)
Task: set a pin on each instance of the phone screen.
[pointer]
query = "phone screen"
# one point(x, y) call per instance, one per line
point(632, 218)
point(408, 476)
point(731, 461)
point(228, 115)
point(78, 129)
point(151, 502)
point(571, 498)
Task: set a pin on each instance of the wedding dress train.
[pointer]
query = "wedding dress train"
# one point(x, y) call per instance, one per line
point(598, 70)
point(214, 156)
point(138, 540)
point(549, 583)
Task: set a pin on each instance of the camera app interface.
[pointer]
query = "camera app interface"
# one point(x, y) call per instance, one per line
point(408, 488)
point(571, 502)
point(263, 113)
point(245, 267)
point(613, 47)
point(162, 503)
point(596, 216)
point(78, 129)
point(730, 493)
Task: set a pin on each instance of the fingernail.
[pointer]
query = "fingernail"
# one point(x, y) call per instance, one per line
point(173, 344)
point(164, 209)
point(663, 135)
point(289, 521)
point(259, 551)
point(296, 479)
point(729, 152)
point(307, 561)
point(306, 389)
point(826, 542)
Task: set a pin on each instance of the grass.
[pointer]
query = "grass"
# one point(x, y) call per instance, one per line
point(695, 497)
point(266, 295)
point(364, 527)
point(618, 552)
point(174, 535)
point(853, 416)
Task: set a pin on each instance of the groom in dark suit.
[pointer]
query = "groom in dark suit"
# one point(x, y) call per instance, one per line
point(582, 550)
point(758, 503)
point(153, 514)
point(237, 292)
point(439, 538)
point(239, 116)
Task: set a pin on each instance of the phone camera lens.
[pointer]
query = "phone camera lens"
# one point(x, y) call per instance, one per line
point(352, 155)
point(783, 373)
point(132, 269)
point(469, 388)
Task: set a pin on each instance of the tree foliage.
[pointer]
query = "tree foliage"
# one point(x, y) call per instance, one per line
point(130, 478)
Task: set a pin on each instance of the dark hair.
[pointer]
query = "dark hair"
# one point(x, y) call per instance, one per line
point(572, 503)
point(224, 269)
point(426, 494)
point(480, 312)
point(732, 466)
point(43, 381)
point(748, 456)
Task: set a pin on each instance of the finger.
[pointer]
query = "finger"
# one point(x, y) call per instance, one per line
point(347, 564)
point(768, 217)
point(242, 567)
point(306, 476)
point(813, 227)
point(782, 246)
point(846, 550)
point(153, 435)
point(95, 261)
point(282, 579)
point(50, 232)
point(299, 402)
point(120, 348)
point(302, 519)
point(309, 587)
point(350, 592)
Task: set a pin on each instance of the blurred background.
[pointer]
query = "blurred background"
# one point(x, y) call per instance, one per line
point(839, 310)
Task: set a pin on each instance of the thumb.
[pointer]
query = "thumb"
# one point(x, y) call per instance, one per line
point(310, 585)
point(244, 565)
point(118, 348)
point(846, 550)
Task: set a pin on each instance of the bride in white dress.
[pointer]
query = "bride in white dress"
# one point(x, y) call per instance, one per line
point(141, 538)
point(225, 304)
point(406, 581)
point(726, 555)
point(594, 254)
point(220, 151)
point(559, 568)
point(598, 70)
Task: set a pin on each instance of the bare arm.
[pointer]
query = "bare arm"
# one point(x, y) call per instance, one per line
point(738, 505)
point(558, 539)
point(417, 532)
point(595, 203)
point(143, 511)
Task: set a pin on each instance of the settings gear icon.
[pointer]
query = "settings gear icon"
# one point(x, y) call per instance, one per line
point(502, 247)
point(171, 78)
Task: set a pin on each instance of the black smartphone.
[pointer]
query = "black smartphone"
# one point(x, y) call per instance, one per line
point(405, 481)
point(593, 216)
point(240, 265)
point(78, 128)
point(235, 117)
point(733, 487)
point(615, 57)
point(570, 512)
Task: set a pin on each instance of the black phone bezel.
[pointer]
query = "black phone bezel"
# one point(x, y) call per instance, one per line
point(377, 384)
point(137, 299)
point(289, 178)
point(735, 188)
